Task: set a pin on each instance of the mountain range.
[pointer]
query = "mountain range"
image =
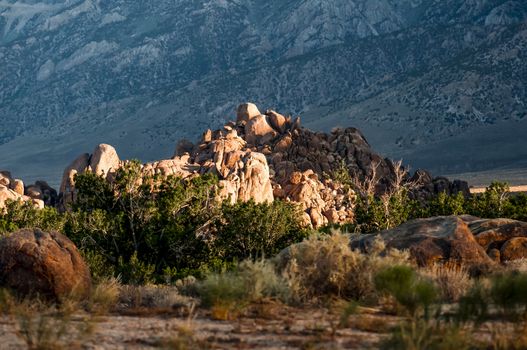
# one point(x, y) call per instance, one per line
point(438, 83)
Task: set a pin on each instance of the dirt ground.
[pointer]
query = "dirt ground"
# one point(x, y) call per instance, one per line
point(268, 327)
point(513, 189)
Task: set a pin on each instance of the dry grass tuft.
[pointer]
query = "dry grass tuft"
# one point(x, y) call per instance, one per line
point(228, 294)
point(453, 281)
point(153, 300)
point(50, 327)
point(105, 296)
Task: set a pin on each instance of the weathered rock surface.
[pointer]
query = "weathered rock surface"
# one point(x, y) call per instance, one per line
point(104, 160)
point(463, 240)
point(514, 249)
point(48, 264)
point(434, 240)
point(493, 233)
point(246, 111)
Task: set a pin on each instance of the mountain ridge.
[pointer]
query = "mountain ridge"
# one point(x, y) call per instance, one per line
point(143, 76)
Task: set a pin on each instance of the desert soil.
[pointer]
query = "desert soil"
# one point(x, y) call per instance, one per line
point(266, 327)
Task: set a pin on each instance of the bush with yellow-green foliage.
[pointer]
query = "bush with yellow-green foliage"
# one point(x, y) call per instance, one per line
point(325, 265)
point(229, 292)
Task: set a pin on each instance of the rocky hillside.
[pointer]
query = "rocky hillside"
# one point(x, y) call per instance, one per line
point(415, 75)
point(268, 156)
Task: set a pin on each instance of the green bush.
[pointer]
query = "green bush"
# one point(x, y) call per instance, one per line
point(142, 223)
point(229, 292)
point(18, 215)
point(504, 293)
point(373, 214)
point(493, 203)
point(413, 293)
point(474, 306)
point(136, 222)
point(250, 230)
point(509, 293)
point(444, 205)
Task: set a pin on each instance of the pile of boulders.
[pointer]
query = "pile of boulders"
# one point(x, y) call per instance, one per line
point(267, 156)
point(459, 240)
point(40, 193)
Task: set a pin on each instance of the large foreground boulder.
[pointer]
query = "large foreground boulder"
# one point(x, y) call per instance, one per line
point(48, 264)
point(434, 240)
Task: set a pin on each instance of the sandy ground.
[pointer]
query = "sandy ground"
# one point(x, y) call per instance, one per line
point(514, 189)
point(514, 177)
point(286, 328)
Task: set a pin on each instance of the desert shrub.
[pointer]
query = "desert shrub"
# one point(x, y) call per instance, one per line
point(18, 215)
point(42, 326)
point(156, 298)
point(101, 269)
point(505, 336)
point(474, 305)
point(443, 204)
point(452, 281)
point(135, 271)
point(229, 292)
point(517, 207)
point(493, 203)
point(427, 335)
point(141, 227)
point(412, 292)
point(508, 293)
point(326, 266)
point(377, 213)
point(250, 230)
point(104, 296)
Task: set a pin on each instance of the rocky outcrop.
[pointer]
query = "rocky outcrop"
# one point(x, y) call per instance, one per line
point(40, 193)
point(267, 156)
point(465, 240)
point(47, 264)
point(433, 240)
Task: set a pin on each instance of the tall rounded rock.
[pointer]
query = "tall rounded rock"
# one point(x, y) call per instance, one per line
point(254, 178)
point(246, 112)
point(48, 264)
point(104, 160)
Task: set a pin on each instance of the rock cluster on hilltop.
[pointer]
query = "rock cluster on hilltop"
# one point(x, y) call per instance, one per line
point(39, 194)
point(465, 240)
point(267, 156)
